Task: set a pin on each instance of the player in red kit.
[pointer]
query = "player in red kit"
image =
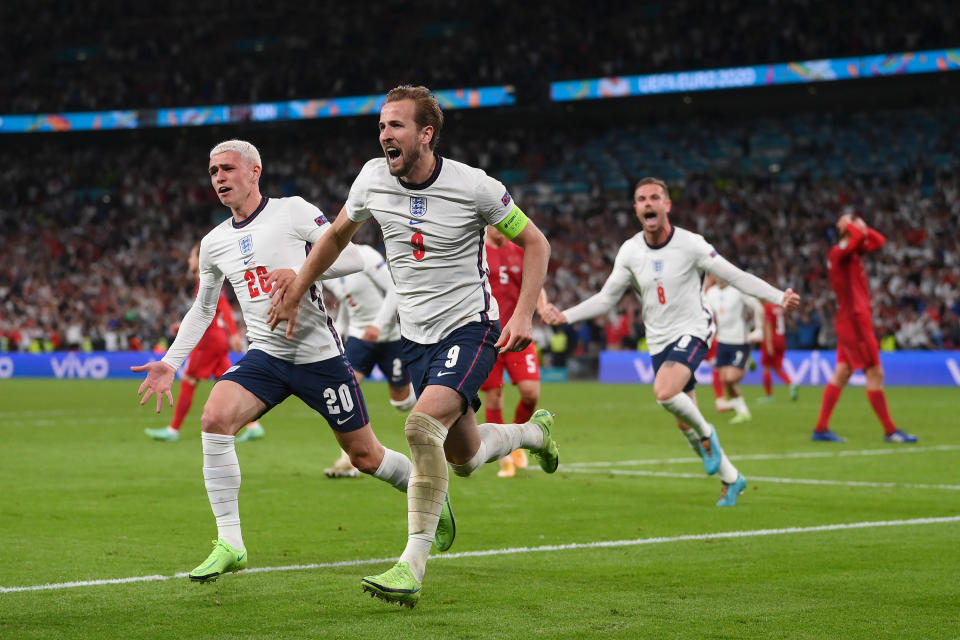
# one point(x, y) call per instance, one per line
point(772, 348)
point(505, 260)
point(209, 359)
point(856, 342)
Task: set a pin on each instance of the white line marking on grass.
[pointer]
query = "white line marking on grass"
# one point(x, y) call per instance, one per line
point(700, 476)
point(772, 456)
point(515, 550)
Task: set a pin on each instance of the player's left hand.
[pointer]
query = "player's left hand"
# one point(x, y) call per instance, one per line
point(791, 300)
point(159, 380)
point(371, 334)
point(516, 335)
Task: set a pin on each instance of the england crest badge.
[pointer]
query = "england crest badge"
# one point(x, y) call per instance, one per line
point(418, 206)
point(246, 244)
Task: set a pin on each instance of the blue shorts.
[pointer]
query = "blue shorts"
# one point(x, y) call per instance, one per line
point(386, 355)
point(328, 386)
point(732, 355)
point(461, 361)
point(686, 350)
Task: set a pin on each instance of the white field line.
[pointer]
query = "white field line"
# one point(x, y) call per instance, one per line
point(798, 455)
point(515, 550)
point(816, 481)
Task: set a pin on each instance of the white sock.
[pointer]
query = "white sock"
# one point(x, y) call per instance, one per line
point(740, 405)
point(427, 488)
point(683, 407)
point(728, 473)
point(407, 403)
point(498, 440)
point(221, 474)
point(693, 439)
point(395, 468)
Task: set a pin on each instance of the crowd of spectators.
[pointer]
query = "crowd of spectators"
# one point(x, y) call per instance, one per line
point(106, 54)
point(96, 228)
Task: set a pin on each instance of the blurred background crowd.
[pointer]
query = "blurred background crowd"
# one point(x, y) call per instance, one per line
point(96, 226)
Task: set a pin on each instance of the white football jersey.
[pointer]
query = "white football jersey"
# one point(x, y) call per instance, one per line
point(728, 304)
point(369, 296)
point(434, 240)
point(278, 235)
point(668, 279)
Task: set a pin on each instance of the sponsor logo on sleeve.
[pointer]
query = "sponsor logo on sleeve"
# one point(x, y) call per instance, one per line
point(506, 198)
point(320, 220)
point(713, 253)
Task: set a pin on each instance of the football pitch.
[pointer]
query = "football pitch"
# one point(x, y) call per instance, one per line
point(98, 525)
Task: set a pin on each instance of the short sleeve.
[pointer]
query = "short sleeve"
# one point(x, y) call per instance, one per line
point(307, 220)
point(494, 202)
point(356, 204)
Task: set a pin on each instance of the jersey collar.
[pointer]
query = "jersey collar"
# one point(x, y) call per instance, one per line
point(662, 244)
point(249, 218)
point(433, 176)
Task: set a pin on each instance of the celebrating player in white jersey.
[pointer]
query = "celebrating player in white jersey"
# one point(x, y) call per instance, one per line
point(433, 212)
point(733, 348)
point(265, 235)
point(665, 265)
point(367, 313)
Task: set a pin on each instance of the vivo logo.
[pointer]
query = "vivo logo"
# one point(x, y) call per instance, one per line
point(72, 366)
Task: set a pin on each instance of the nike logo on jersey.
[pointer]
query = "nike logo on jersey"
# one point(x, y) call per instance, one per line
point(413, 222)
point(445, 373)
point(246, 261)
point(344, 420)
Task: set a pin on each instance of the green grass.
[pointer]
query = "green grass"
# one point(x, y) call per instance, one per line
point(84, 496)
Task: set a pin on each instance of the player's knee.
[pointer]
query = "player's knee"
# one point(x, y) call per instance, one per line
point(366, 460)
point(215, 420)
point(664, 392)
point(424, 430)
point(529, 398)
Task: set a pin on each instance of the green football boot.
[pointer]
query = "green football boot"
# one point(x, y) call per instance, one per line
point(794, 392)
point(166, 434)
point(397, 584)
point(254, 431)
point(446, 527)
point(222, 559)
point(740, 418)
point(549, 454)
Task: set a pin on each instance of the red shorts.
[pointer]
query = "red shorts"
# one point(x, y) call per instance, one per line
point(207, 364)
point(521, 365)
point(774, 359)
point(859, 354)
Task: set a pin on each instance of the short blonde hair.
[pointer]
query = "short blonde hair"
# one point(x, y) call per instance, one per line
point(246, 150)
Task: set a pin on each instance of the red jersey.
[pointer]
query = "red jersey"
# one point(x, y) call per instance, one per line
point(506, 272)
point(773, 316)
point(214, 339)
point(849, 281)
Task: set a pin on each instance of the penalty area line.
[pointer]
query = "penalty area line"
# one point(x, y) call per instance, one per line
point(515, 550)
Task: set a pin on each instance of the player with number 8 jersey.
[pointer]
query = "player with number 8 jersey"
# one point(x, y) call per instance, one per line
point(665, 265)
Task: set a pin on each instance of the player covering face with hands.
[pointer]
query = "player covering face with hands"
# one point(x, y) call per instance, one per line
point(664, 265)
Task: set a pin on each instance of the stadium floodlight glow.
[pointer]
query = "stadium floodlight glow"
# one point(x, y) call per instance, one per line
point(450, 99)
point(826, 70)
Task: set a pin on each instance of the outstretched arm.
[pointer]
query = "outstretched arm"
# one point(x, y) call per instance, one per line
point(750, 284)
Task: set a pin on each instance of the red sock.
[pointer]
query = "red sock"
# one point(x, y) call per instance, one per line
point(831, 393)
point(717, 385)
point(767, 382)
point(878, 400)
point(183, 404)
point(523, 412)
point(783, 376)
point(494, 416)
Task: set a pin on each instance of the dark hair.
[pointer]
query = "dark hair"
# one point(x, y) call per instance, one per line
point(427, 111)
point(651, 180)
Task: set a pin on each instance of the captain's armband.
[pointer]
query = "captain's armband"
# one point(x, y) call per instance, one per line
point(513, 224)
